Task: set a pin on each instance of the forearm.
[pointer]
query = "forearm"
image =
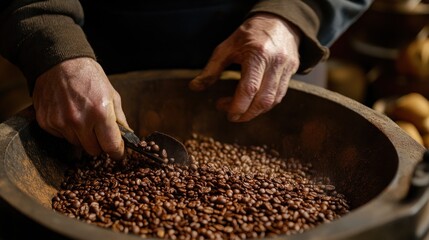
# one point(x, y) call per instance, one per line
point(37, 35)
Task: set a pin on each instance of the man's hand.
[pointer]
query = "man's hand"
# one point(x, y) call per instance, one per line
point(75, 100)
point(266, 47)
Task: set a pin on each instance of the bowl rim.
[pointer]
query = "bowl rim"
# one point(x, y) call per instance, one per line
point(384, 202)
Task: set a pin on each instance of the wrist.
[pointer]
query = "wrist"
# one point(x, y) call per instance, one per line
point(294, 31)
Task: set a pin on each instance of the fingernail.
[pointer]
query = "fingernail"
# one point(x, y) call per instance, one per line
point(234, 117)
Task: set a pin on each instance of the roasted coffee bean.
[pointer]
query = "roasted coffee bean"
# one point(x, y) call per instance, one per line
point(228, 192)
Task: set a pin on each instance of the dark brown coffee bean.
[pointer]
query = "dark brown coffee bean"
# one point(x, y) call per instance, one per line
point(228, 192)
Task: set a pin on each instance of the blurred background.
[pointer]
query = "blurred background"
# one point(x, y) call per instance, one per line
point(382, 61)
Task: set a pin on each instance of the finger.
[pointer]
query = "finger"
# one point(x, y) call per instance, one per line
point(61, 131)
point(246, 90)
point(110, 140)
point(119, 112)
point(109, 137)
point(43, 123)
point(57, 133)
point(120, 118)
point(283, 86)
point(71, 136)
point(265, 98)
point(76, 129)
point(210, 73)
point(53, 127)
point(89, 141)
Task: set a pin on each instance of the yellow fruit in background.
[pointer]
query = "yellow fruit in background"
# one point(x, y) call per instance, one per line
point(426, 140)
point(412, 107)
point(413, 60)
point(423, 126)
point(384, 106)
point(411, 130)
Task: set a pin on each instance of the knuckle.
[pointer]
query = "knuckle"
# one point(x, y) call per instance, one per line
point(265, 102)
point(257, 51)
point(72, 120)
point(258, 47)
point(277, 100)
point(117, 98)
point(55, 121)
point(100, 112)
point(280, 59)
point(284, 60)
point(294, 64)
point(251, 89)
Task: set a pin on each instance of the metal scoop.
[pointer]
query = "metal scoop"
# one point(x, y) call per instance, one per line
point(175, 149)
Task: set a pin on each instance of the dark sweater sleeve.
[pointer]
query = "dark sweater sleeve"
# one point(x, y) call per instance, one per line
point(320, 21)
point(36, 35)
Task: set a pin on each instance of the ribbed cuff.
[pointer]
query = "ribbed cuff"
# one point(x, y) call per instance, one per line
point(53, 44)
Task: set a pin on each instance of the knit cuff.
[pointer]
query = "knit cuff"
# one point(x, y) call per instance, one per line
point(51, 45)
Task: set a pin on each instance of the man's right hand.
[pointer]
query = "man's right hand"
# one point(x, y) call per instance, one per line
point(75, 100)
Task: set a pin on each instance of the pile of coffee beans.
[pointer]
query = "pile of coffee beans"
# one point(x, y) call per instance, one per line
point(228, 192)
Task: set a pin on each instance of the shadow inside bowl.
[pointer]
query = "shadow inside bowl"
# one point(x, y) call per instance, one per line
point(340, 142)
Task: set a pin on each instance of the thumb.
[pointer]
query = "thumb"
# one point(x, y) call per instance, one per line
point(210, 73)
